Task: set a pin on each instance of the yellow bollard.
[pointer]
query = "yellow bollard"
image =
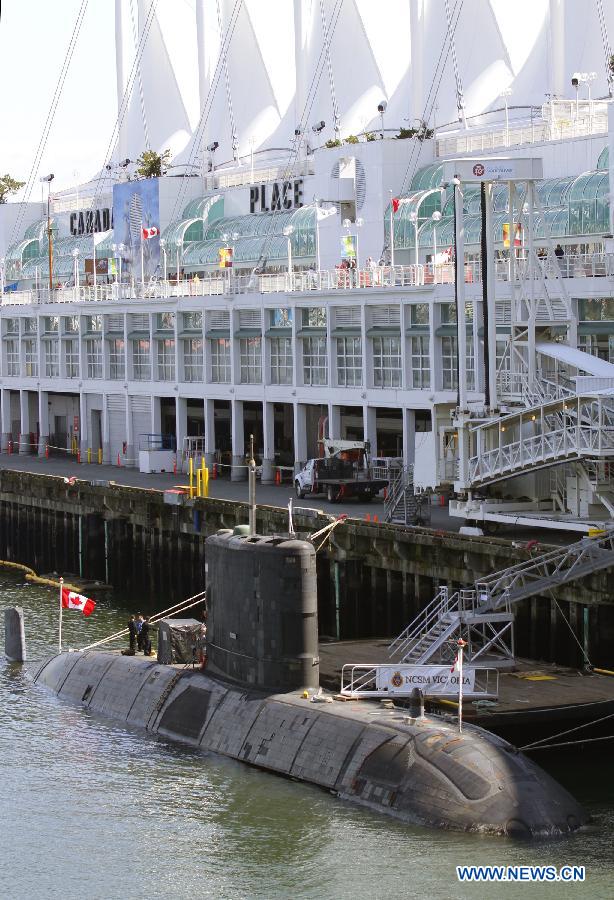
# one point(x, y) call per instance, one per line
point(89, 454)
point(206, 477)
point(100, 456)
point(191, 478)
point(198, 483)
point(202, 477)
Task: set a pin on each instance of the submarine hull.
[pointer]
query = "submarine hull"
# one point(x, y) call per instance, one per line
point(417, 770)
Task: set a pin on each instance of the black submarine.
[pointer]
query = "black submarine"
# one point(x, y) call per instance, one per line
point(254, 704)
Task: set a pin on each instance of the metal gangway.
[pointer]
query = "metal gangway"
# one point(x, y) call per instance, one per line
point(482, 614)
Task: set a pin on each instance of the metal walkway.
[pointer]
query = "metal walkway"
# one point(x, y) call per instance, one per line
point(482, 614)
point(558, 430)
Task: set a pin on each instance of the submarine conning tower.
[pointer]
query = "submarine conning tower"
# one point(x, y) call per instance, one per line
point(263, 610)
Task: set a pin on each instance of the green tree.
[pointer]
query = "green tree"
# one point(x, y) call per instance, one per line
point(9, 186)
point(151, 164)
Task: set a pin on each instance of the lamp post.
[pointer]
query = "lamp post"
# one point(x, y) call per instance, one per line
point(163, 248)
point(413, 218)
point(2, 275)
point(391, 232)
point(75, 256)
point(505, 94)
point(288, 232)
point(114, 249)
point(122, 250)
point(178, 244)
point(229, 241)
point(49, 179)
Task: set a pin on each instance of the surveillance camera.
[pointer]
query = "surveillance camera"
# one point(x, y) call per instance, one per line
point(575, 81)
point(382, 106)
point(125, 162)
point(318, 127)
point(298, 132)
point(48, 177)
point(108, 167)
point(455, 181)
point(212, 147)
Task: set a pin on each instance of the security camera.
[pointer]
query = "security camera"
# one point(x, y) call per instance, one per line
point(318, 127)
point(382, 106)
point(125, 162)
point(575, 81)
point(212, 147)
point(48, 177)
point(298, 132)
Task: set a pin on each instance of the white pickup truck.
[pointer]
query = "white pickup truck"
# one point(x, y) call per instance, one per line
point(343, 471)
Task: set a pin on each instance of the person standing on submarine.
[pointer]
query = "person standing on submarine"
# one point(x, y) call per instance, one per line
point(139, 627)
point(145, 638)
point(133, 634)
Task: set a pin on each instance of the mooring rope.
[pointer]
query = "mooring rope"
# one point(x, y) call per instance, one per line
point(178, 607)
point(536, 744)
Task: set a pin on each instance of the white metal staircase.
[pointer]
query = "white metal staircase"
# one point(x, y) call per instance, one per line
point(482, 615)
point(400, 505)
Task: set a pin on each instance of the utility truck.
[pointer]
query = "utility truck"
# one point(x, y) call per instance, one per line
point(343, 470)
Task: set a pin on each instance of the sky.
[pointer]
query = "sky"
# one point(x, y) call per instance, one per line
point(34, 38)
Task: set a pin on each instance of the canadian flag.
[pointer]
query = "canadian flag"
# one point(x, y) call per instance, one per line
point(455, 667)
point(395, 204)
point(148, 233)
point(72, 600)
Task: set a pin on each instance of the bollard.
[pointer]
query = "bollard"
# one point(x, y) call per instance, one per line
point(119, 462)
point(375, 519)
point(89, 454)
point(202, 476)
point(191, 467)
point(367, 517)
point(214, 470)
point(278, 476)
point(174, 465)
point(10, 447)
point(100, 456)
point(206, 474)
point(198, 483)
point(78, 457)
point(442, 500)
point(46, 451)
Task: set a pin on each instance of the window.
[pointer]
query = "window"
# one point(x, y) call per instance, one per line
point(52, 359)
point(93, 356)
point(30, 326)
point(448, 313)
point(193, 359)
point(71, 324)
point(12, 357)
point(166, 359)
point(420, 361)
point(600, 345)
point(72, 358)
point(280, 318)
point(166, 321)
point(387, 362)
point(117, 359)
point(349, 362)
point(220, 360)
point(11, 326)
point(315, 364)
point(314, 317)
point(419, 314)
point(449, 363)
point(193, 321)
point(141, 366)
point(281, 361)
point(30, 351)
point(93, 323)
point(601, 310)
point(51, 324)
point(250, 355)
point(470, 364)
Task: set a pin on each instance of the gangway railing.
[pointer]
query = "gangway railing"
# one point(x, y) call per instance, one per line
point(363, 681)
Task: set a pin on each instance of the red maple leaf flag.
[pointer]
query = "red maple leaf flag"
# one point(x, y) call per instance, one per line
point(148, 233)
point(395, 204)
point(72, 600)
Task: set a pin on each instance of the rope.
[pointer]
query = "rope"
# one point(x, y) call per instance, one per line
point(567, 731)
point(197, 598)
point(568, 623)
point(32, 578)
point(609, 737)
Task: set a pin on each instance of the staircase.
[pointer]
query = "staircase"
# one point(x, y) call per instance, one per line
point(482, 615)
point(401, 505)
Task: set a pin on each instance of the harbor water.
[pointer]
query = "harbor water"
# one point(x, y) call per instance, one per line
point(90, 809)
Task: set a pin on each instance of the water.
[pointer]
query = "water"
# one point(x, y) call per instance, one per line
point(89, 809)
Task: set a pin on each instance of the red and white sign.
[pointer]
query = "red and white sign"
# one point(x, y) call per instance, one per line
point(72, 600)
point(148, 233)
point(478, 170)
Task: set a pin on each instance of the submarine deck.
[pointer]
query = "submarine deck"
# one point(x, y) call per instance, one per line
point(537, 700)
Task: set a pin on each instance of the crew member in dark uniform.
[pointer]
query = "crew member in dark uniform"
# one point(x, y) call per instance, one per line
point(132, 633)
point(145, 639)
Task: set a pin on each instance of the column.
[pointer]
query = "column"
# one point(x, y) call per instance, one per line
point(24, 434)
point(43, 421)
point(131, 450)
point(7, 427)
point(181, 425)
point(334, 422)
point(84, 425)
point(209, 432)
point(369, 424)
point(409, 437)
point(238, 471)
point(106, 445)
point(300, 436)
point(268, 434)
point(156, 416)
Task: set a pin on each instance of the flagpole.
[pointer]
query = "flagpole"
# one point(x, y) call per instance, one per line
point(391, 232)
point(142, 258)
point(60, 628)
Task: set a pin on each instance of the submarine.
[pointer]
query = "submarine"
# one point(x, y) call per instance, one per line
point(255, 703)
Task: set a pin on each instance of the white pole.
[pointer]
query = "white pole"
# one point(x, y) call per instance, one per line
point(416, 238)
point(461, 645)
point(289, 258)
point(391, 232)
point(434, 247)
point(60, 628)
point(142, 260)
point(317, 241)
point(94, 243)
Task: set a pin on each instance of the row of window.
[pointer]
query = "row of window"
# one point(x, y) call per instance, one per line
point(386, 360)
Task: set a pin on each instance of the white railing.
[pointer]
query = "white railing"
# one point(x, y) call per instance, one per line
point(247, 175)
point(365, 681)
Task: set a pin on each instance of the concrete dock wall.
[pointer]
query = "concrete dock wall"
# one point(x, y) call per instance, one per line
point(372, 578)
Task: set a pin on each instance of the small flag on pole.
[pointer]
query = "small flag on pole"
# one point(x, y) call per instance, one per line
point(148, 233)
point(72, 600)
point(395, 204)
